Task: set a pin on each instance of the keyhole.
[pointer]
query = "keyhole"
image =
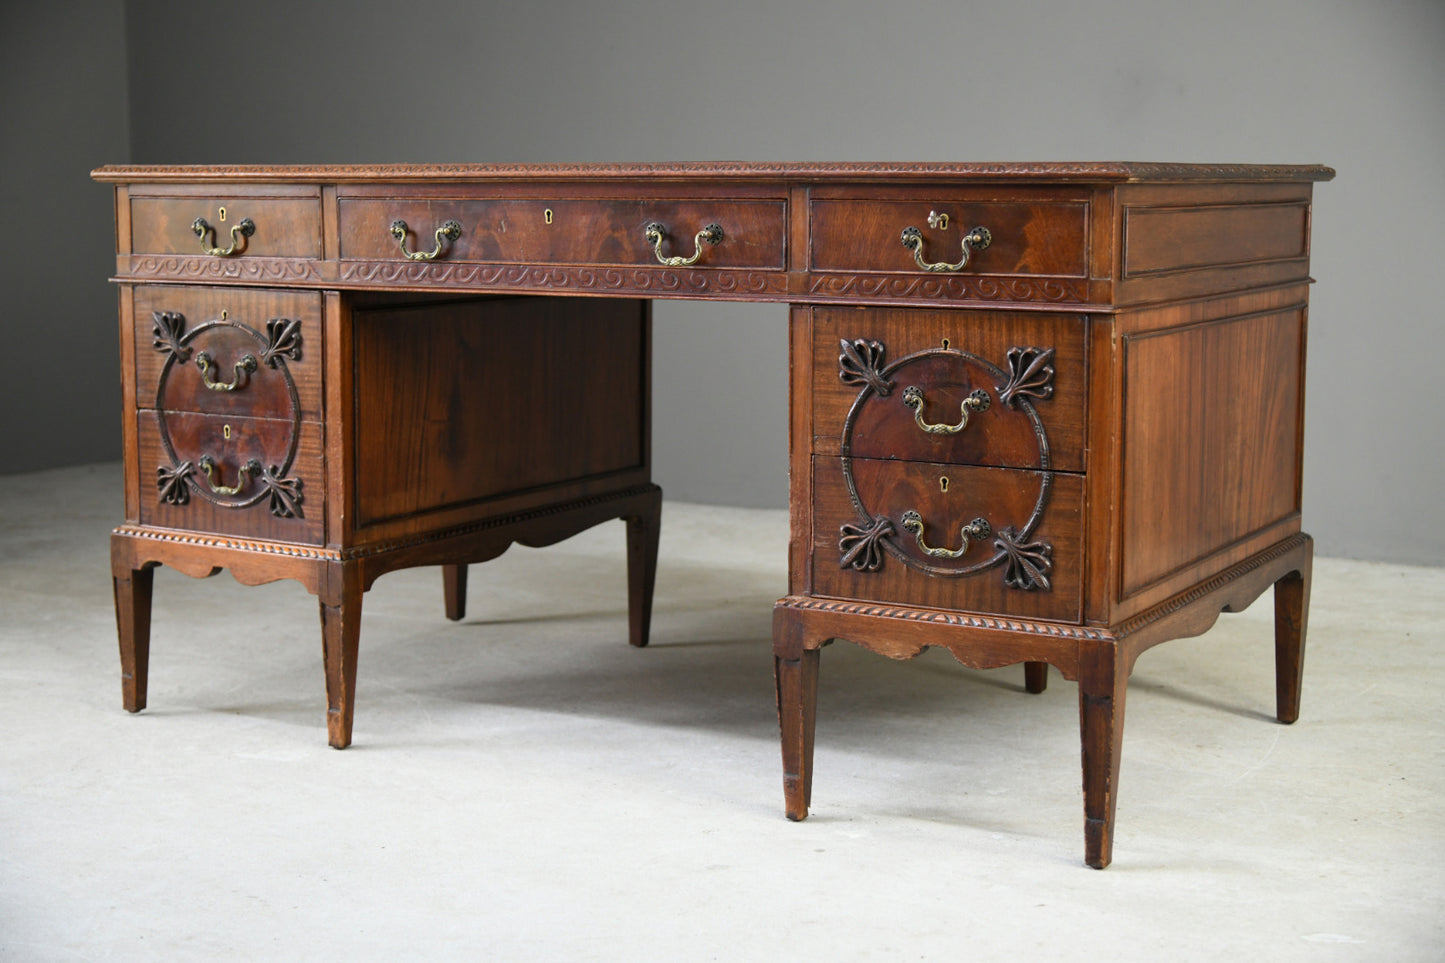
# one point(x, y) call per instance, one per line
point(943, 483)
point(547, 215)
point(945, 344)
point(226, 432)
point(223, 213)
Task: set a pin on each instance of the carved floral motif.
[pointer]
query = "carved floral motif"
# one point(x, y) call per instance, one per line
point(1031, 373)
point(861, 547)
point(861, 363)
point(171, 481)
point(285, 493)
point(1029, 563)
point(283, 340)
point(169, 326)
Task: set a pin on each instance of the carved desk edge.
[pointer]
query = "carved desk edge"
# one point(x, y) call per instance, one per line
point(1086, 172)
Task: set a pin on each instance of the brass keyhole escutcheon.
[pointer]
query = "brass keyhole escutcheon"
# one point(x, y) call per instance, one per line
point(226, 432)
point(223, 213)
point(547, 215)
point(943, 483)
point(946, 343)
point(937, 221)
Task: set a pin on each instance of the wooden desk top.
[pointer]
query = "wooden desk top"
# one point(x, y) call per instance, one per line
point(1076, 172)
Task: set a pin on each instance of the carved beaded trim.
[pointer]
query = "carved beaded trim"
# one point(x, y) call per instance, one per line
point(959, 619)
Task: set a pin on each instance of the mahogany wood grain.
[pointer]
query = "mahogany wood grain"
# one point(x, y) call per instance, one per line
point(264, 392)
point(267, 440)
point(580, 231)
point(133, 617)
point(285, 227)
point(1044, 237)
point(462, 402)
point(1291, 617)
point(1207, 407)
point(449, 418)
point(1003, 497)
point(999, 436)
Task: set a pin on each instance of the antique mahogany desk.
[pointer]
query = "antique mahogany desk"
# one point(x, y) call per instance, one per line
point(1047, 414)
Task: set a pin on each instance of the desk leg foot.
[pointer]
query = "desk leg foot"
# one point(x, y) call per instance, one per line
point(1291, 615)
point(1102, 685)
point(1036, 677)
point(454, 588)
point(340, 637)
point(795, 671)
point(133, 622)
point(643, 531)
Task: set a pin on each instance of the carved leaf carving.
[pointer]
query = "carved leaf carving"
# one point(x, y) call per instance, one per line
point(860, 546)
point(1031, 372)
point(283, 340)
point(168, 328)
point(285, 493)
point(172, 483)
point(861, 363)
point(1029, 563)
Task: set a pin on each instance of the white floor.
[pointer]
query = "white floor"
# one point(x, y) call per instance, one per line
point(525, 786)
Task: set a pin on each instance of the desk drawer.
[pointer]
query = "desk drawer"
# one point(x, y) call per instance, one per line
point(1026, 237)
point(567, 231)
point(1019, 378)
point(279, 331)
point(280, 226)
point(1022, 560)
point(275, 467)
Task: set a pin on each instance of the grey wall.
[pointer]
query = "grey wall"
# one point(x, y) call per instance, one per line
point(1357, 85)
point(63, 106)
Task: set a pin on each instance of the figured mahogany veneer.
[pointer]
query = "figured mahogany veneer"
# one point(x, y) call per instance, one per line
point(1084, 442)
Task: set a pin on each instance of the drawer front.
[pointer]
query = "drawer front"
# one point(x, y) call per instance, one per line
point(992, 388)
point(274, 467)
point(283, 227)
point(568, 231)
point(1023, 559)
point(264, 346)
point(1044, 237)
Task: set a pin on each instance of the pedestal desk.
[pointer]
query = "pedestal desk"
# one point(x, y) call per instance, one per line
point(1047, 414)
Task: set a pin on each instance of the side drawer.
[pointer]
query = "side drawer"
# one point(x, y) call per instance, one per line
point(1029, 371)
point(280, 497)
point(1023, 561)
point(279, 226)
point(176, 328)
point(567, 231)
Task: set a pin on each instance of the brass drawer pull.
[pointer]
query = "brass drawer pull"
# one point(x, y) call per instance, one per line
point(976, 401)
point(974, 530)
point(449, 231)
point(204, 362)
point(239, 233)
point(975, 240)
point(208, 465)
point(655, 232)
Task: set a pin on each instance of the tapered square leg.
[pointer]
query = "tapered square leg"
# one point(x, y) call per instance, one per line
point(1103, 681)
point(454, 588)
point(133, 624)
point(1291, 615)
point(1036, 677)
point(340, 608)
point(795, 671)
point(643, 532)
